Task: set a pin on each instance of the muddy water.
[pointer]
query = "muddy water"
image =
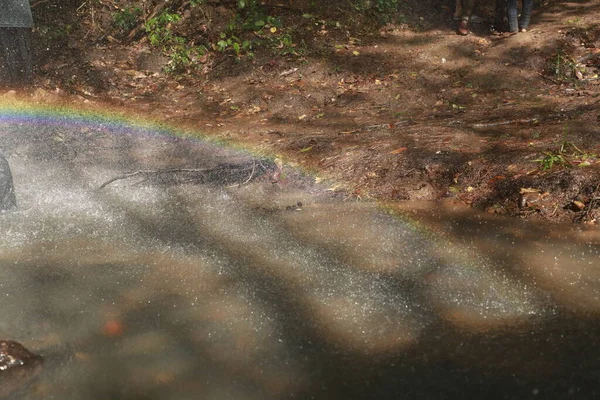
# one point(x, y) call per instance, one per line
point(230, 286)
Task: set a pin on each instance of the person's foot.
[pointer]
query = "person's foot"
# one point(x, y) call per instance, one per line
point(463, 28)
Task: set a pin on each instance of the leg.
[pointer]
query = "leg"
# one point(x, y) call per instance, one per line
point(468, 9)
point(458, 9)
point(513, 13)
point(500, 16)
point(15, 57)
point(526, 14)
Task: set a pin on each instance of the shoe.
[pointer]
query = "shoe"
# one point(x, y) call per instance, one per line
point(463, 28)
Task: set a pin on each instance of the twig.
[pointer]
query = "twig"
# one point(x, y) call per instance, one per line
point(250, 177)
point(288, 72)
point(37, 3)
point(251, 173)
point(388, 125)
point(509, 122)
point(148, 172)
point(549, 79)
point(141, 27)
point(592, 202)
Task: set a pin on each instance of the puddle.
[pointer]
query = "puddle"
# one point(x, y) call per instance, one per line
point(220, 279)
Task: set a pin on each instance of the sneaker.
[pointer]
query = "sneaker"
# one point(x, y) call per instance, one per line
point(463, 28)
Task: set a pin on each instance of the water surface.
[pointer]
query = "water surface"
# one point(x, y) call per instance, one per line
point(239, 281)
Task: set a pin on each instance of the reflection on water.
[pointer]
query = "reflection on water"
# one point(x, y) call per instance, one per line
point(146, 290)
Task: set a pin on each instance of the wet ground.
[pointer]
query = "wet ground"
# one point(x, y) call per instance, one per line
point(403, 111)
point(146, 266)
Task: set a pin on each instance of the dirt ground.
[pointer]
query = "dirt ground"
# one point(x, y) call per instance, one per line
point(410, 110)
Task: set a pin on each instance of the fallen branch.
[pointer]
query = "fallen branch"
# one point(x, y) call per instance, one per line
point(388, 125)
point(147, 172)
point(37, 3)
point(251, 174)
point(508, 122)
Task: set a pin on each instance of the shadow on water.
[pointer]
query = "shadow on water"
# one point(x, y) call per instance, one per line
point(239, 288)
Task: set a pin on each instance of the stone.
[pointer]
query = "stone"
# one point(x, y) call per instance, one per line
point(8, 200)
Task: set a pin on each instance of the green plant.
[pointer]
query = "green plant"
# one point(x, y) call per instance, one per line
point(550, 158)
point(383, 9)
point(563, 66)
point(258, 21)
point(127, 19)
point(182, 55)
point(387, 7)
point(250, 5)
point(159, 29)
point(567, 155)
point(287, 46)
point(234, 44)
point(55, 32)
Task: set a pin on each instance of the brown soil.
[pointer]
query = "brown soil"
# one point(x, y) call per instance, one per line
point(405, 111)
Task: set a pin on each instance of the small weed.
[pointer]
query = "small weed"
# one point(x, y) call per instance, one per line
point(55, 32)
point(232, 43)
point(387, 7)
point(126, 20)
point(181, 55)
point(568, 155)
point(562, 66)
point(160, 29)
point(550, 159)
point(384, 10)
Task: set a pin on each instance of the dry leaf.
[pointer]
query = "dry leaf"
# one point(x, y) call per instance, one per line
point(398, 150)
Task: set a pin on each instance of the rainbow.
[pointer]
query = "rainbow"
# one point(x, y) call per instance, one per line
point(20, 112)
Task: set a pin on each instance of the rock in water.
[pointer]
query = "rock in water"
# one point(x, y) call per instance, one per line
point(8, 201)
point(13, 354)
point(18, 366)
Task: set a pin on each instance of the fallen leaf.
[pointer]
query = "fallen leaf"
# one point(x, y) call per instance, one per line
point(496, 179)
point(529, 190)
point(585, 163)
point(398, 150)
point(112, 328)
